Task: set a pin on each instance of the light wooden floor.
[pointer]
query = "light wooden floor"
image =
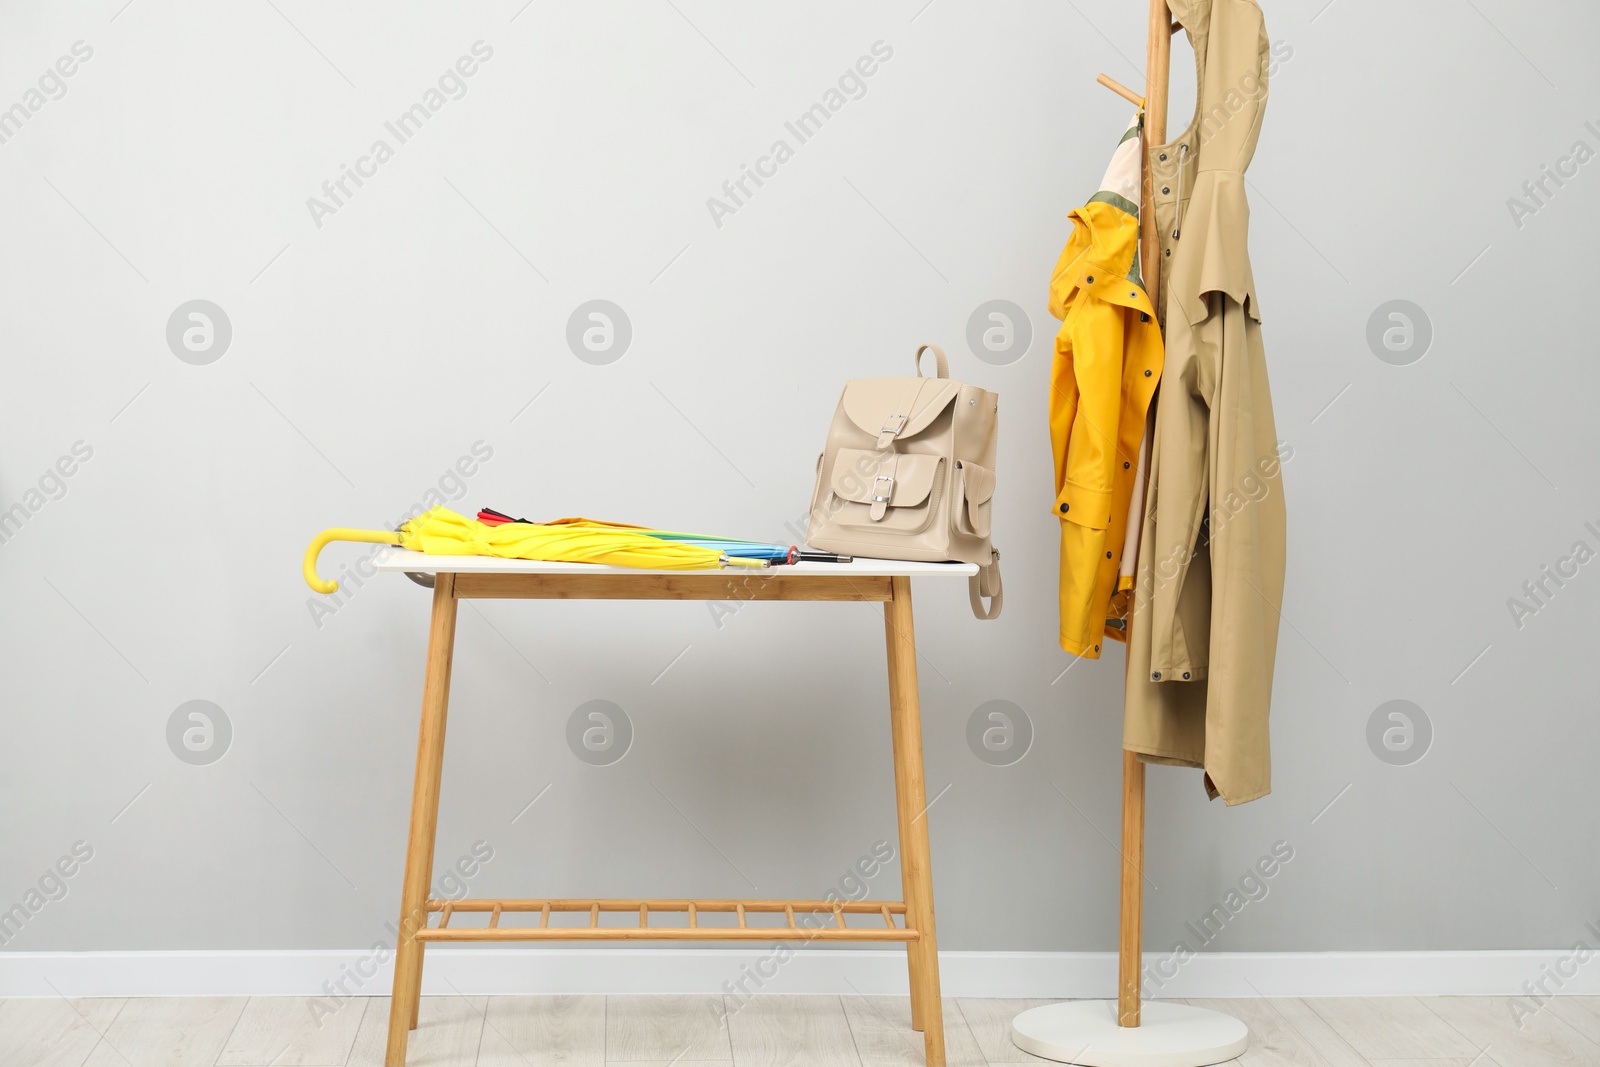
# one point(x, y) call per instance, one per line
point(685, 1031)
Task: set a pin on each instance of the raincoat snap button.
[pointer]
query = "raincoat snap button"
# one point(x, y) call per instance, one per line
point(1156, 676)
point(1186, 676)
point(1163, 157)
point(1125, 465)
point(1065, 508)
point(1108, 555)
point(1091, 279)
point(1147, 374)
point(1165, 190)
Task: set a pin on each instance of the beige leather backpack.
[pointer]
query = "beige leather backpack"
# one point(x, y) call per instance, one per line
point(908, 473)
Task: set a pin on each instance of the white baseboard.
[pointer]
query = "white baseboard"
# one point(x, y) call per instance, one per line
point(512, 971)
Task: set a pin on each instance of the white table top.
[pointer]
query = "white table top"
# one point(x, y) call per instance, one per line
point(404, 559)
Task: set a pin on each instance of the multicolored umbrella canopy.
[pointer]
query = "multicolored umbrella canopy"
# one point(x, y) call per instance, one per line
point(728, 546)
point(442, 532)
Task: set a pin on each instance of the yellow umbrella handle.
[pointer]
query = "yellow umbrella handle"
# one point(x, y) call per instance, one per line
point(339, 533)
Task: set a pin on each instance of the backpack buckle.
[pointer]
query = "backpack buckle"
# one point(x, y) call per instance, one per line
point(880, 501)
point(891, 429)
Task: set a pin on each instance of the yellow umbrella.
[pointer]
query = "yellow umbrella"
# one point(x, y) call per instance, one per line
point(440, 531)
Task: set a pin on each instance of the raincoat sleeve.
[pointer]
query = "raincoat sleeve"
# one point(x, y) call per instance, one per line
point(1083, 427)
point(1179, 590)
point(1064, 392)
point(1084, 399)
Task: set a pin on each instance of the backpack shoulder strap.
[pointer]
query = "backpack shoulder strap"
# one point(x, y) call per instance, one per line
point(986, 583)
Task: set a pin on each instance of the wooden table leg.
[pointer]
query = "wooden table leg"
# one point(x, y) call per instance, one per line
point(922, 955)
point(424, 821)
point(1129, 955)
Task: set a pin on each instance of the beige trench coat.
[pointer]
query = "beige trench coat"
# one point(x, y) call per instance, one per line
point(1209, 579)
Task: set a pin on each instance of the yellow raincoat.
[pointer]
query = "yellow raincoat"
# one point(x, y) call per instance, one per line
point(1107, 364)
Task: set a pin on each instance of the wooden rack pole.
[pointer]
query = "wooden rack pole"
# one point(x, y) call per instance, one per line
point(1158, 63)
point(1131, 932)
point(1158, 66)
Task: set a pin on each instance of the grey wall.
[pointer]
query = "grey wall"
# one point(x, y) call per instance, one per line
point(374, 346)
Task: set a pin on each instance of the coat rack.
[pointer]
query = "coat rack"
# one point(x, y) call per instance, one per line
point(1129, 1033)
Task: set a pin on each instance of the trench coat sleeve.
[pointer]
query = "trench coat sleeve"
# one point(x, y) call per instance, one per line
point(1247, 521)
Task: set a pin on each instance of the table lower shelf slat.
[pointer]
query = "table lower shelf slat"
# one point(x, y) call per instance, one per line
point(809, 920)
point(664, 933)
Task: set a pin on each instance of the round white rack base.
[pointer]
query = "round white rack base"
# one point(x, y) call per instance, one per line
point(1169, 1035)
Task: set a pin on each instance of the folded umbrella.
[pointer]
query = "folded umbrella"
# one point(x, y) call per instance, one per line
point(441, 531)
point(729, 546)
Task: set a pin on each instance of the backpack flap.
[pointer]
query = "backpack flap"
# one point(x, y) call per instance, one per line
point(893, 409)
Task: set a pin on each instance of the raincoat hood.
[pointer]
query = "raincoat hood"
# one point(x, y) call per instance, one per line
point(1205, 164)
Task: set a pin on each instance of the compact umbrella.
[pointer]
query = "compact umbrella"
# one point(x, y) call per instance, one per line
point(440, 531)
